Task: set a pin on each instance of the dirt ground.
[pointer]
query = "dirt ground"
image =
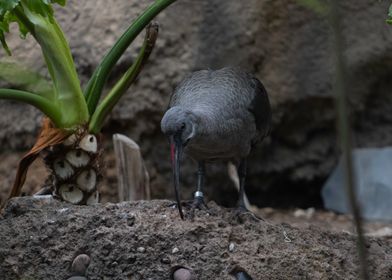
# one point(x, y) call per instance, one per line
point(39, 239)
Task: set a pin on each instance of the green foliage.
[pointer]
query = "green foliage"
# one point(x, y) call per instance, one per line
point(315, 5)
point(95, 85)
point(64, 102)
point(107, 104)
point(389, 19)
point(9, 9)
point(23, 78)
point(37, 17)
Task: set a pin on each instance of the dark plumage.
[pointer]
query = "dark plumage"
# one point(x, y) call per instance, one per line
point(217, 115)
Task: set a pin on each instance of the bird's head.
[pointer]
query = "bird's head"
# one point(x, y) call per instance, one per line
point(179, 125)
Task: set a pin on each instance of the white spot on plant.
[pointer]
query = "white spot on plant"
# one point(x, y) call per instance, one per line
point(71, 193)
point(87, 180)
point(71, 140)
point(77, 158)
point(89, 143)
point(63, 169)
point(93, 199)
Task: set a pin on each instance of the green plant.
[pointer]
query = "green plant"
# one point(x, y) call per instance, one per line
point(389, 19)
point(74, 115)
point(315, 5)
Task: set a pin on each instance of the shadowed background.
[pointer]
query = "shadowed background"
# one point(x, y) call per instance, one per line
point(283, 44)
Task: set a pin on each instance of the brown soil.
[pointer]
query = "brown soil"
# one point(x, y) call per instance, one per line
point(136, 240)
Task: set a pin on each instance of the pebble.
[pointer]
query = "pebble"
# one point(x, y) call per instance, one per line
point(62, 210)
point(242, 275)
point(141, 249)
point(80, 264)
point(182, 274)
point(175, 250)
point(307, 213)
point(231, 247)
point(131, 220)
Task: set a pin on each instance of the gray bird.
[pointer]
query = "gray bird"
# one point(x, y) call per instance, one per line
point(216, 116)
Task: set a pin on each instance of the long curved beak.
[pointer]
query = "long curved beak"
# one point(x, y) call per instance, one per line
point(176, 153)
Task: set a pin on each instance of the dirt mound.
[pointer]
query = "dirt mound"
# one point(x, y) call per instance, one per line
point(39, 239)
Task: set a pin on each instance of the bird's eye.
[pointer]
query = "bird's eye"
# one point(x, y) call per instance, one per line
point(182, 125)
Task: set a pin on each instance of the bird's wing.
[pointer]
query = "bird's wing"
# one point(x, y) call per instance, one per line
point(261, 109)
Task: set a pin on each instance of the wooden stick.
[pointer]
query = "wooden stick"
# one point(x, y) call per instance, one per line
point(133, 178)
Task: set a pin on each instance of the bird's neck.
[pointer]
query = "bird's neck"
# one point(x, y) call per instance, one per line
point(202, 120)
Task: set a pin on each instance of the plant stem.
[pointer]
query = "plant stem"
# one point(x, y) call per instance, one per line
point(67, 93)
point(41, 103)
point(96, 83)
point(106, 106)
point(345, 135)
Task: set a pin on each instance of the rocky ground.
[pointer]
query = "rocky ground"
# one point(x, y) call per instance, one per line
point(40, 239)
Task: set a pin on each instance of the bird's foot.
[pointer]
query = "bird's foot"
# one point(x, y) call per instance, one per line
point(241, 213)
point(190, 206)
point(196, 204)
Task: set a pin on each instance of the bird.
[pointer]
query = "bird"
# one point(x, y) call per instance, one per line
point(216, 115)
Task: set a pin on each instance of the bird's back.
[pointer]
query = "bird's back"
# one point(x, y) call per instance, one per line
point(228, 92)
point(235, 103)
point(206, 87)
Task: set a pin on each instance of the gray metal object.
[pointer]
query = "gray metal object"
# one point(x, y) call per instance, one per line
point(373, 177)
point(216, 115)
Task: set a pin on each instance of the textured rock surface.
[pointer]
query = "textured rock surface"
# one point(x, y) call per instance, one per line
point(39, 239)
point(286, 45)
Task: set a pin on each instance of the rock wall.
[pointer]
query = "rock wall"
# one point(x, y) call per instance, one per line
point(287, 46)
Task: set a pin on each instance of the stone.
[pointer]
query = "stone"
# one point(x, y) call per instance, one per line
point(182, 274)
point(373, 176)
point(77, 278)
point(80, 264)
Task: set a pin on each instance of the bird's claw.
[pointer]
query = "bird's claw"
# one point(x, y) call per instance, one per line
point(191, 205)
point(198, 203)
point(241, 213)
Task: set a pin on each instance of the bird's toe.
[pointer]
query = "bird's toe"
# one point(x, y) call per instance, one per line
point(242, 214)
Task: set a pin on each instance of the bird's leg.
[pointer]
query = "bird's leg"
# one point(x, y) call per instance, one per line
point(198, 200)
point(241, 205)
point(242, 175)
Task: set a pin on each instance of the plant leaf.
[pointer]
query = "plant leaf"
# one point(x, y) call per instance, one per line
point(8, 10)
point(23, 78)
point(97, 81)
point(5, 18)
point(37, 18)
point(389, 19)
point(7, 5)
point(47, 107)
point(315, 5)
point(111, 99)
